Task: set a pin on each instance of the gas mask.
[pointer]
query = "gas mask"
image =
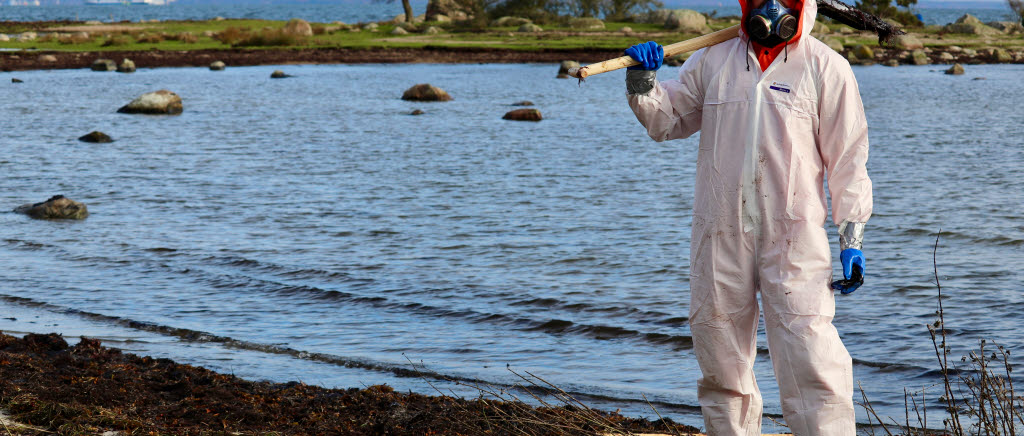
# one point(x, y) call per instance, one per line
point(771, 24)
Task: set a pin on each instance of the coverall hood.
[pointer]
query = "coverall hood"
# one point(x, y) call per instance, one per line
point(808, 11)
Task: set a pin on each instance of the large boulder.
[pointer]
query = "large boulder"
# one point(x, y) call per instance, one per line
point(104, 65)
point(833, 43)
point(57, 207)
point(687, 21)
point(523, 115)
point(1011, 27)
point(158, 102)
point(907, 42)
point(1000, 56)
point(586, 23)
point(425, 92)
point(96, 136)
point(510, 22)
point(971, 25)
point(530, 28)
point(453, 9)
point(297, 27)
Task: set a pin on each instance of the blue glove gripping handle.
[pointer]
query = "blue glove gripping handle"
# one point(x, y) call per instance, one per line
point(649, 54)
point(853, 271)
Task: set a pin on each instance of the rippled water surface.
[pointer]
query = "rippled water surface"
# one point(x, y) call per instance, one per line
point(310, 229)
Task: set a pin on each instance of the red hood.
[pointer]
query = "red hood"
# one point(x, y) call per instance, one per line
point(766, 55)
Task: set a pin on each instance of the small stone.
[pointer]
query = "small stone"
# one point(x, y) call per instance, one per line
point(863, 52)
point(417, 112)
point(523, 115)
point(48, 58)
point(126, 66)
point(96, 136)
point(956, 69)
point(16, 80)
point(523, 103)
point(217, 66)
point(919, 57)
point(399, 31)
point(278, 74)
point(892, 63)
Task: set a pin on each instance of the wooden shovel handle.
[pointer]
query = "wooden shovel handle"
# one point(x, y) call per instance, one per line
point(670, 50)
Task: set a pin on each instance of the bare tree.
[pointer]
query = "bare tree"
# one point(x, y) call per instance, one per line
point(1018, 8)
point(405, 5)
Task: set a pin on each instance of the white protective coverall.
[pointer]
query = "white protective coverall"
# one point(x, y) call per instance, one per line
point(767, 140)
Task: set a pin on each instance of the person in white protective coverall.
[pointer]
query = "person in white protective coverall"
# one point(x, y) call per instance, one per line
point(776, 115)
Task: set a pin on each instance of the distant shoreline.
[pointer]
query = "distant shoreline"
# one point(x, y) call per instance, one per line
point(37, 60)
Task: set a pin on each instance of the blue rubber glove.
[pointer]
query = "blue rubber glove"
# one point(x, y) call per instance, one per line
point(853, 271)
point(649, 54)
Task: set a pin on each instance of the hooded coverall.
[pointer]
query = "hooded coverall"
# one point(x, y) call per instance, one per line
point(767, 141)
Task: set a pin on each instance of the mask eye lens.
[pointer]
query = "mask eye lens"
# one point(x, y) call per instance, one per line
point(759, 27)
point(787, 27)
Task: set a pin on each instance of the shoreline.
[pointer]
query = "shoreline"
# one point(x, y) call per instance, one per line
point(48, 386)
point(11, 61)
point(35, 60)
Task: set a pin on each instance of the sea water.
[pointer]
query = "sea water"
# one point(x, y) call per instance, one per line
point(310, 229)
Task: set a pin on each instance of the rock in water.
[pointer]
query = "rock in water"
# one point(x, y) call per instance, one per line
point(16, 80)
point(564, 66)
point(417, 112)
point(96, 136)
point(158, 102)
point(104, 65)
point(57, 207)
point(523, 103)
point(217, 66)
point(278, 74)
point(956, 69)
point(523, 115)
point(126, 66)
point(425, 92)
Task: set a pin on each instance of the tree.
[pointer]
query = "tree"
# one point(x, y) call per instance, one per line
point(1018, 8)
point(618, 10)
point(885, 9)
point(406, 6)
